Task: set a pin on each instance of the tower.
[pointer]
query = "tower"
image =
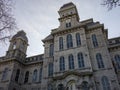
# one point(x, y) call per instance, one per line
point(18, 46)
point(68, 15)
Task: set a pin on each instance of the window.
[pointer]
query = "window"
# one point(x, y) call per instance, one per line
point(50, 87)
point(85, 85)
point(71, 61)
point(69, 41)
point(99, 60)
point(5, 73)
point(26, 77)
point(14, 88)
point(94, 40)
point(68, 23)
point(14, 45)
point(117, 61)
point(51, 50)
point(62, 63)
point(35, 75)
point(40, 74)
point(17, 75)
point(71, 85)
point(60, 87)
point(80, 60)
point(105, 83)
point(50, 69)
point(61, 43)
point(78, 40)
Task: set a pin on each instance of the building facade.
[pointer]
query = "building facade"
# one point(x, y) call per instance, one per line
point(77, 56)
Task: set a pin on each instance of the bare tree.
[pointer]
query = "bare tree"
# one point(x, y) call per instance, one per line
point(7, 22)
point(111, 3)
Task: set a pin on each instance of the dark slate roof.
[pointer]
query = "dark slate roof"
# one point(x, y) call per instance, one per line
point(49, 37)
point(66, 5)
point(20, 34)
point(34, 59)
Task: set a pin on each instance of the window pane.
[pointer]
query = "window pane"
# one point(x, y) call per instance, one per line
point(51, 51)
point(61, 43)
point(35, 75)
point(40, 75)
point(50, 69)
point(60, 87)
point(62, 63)
point(17, 75)
point(69, 41)
point(78, 41)
point(26, 77)
point(50, 87)
point(99, 60)
point(5, 73)
point(94, 40)
point(105, 83)
point(71, 62)
point(80, 60)
point(117, 61)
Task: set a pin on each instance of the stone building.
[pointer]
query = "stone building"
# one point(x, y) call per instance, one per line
point(77, 56)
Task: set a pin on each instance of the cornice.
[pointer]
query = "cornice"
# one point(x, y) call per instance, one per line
point(76, 73)
point(113, 49)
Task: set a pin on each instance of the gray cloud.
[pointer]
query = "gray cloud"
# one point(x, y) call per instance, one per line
point(38, 17)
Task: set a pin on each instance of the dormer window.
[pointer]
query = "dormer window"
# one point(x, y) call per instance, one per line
point(68, 23)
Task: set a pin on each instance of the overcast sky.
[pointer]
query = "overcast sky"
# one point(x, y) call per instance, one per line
point(38, 17)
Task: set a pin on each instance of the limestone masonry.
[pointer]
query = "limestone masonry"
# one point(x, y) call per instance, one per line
point(77, 56)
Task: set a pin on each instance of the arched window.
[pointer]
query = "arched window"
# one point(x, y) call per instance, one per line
point(40, 74)
point(71, 61)
point(26, 77)
point(60, 87)
point(61, 43)
point(5, 73)
point(14, 45)
point(78, 40)
point(50, 87)
point(17, 75)
point(105, 83)
point(50, 69)
point(99, 60)
point(62, 63)
point(71, 85)
point(80, 60)
point(69, 41)
point(51, 50)
point(94, 40)
point(35, 75)
point(85, 85)
point(117, 61)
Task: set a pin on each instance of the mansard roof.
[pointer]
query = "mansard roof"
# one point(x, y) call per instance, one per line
point(49, 37)
point(34, 59)
point(67, 5)
point(20, 34)
point(114, 42)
